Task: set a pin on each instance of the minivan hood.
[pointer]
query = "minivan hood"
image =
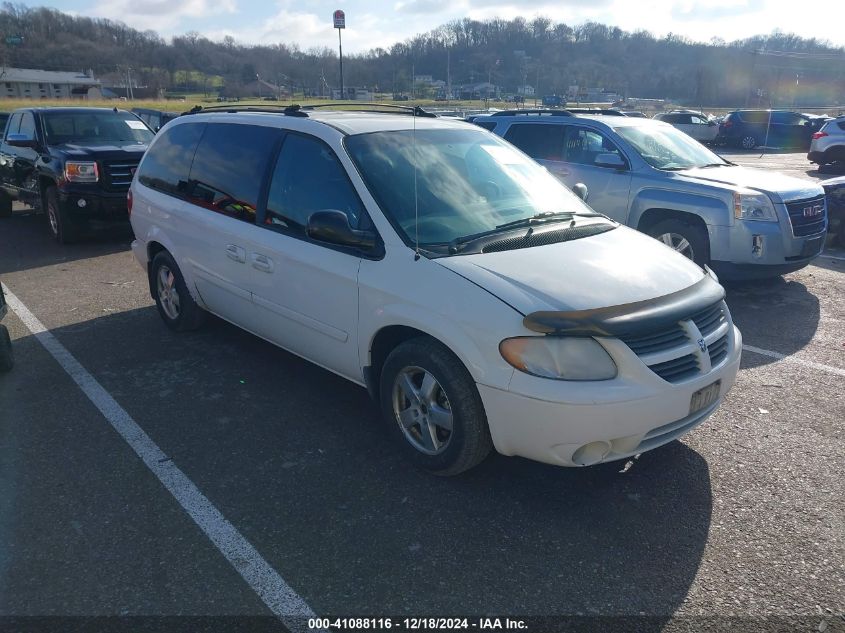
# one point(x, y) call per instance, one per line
point(781, 188)
point(613, 268)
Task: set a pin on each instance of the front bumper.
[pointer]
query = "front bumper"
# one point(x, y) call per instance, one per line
point(631, 414)
point(755, 250)
point(93, 206)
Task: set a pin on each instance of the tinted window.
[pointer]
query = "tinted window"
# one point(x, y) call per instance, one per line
point(786, 118)
point(538, 140)
point(167, 164)
point(697, 120)
point(583, 145)
point(229, 167)
point(755, 117)
point(487, 125)
point(27, 125)
point(841, 125)
point(92, 126)
point(14, 124)
point(308, 177)
point(671, 118)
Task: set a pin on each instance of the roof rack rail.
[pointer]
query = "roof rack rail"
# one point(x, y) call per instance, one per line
point(289, 110)
point(604, 111)
point(360, 106)
point(558, 112)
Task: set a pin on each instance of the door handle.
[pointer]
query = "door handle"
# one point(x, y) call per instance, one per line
point(236, 253)
point(262, 263)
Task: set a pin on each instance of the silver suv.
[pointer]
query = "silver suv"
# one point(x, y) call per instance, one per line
point(828, 144)
point(744, 223)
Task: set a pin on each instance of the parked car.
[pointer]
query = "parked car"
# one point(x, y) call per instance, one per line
point(742, 222)
point(155, 119)
point(697, 124)
point(777, 128)
point(7, 355)
point(835, 191)
point(4, 118)
point(634, 113)
point(74, 163)
point(828, 144)
point(479, 301)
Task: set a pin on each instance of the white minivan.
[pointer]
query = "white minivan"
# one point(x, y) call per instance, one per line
point(481, 303)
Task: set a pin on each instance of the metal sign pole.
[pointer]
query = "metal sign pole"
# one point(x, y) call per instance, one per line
point(340, 47)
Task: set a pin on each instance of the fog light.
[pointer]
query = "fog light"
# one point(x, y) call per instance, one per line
point(81, 203)
point(591, 453)
point(757, 245)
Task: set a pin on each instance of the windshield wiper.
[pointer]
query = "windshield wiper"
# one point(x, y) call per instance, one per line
point(540, 218)
point(546, 216)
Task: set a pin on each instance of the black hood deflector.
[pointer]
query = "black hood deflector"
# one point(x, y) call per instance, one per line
point(629, 319)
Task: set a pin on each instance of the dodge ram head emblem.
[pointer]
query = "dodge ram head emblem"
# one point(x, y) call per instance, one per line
point(702, 345)
point(811, 212)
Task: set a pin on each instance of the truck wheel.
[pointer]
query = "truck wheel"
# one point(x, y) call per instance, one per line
point(7, 356)
point(5, 205)
point(175, 305)
point(61, 226)
point(688, 239)
point(432, 406)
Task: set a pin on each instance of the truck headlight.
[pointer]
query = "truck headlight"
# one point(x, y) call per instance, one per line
point(754, 206)
point(76, 171)
point(558, 357)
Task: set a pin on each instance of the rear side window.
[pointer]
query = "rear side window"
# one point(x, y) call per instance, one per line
point(755, 117)
point(167, 164)
point(841, 125)
point(539, 140)
point(487, 125)
point(229, 168)
point(14, 124)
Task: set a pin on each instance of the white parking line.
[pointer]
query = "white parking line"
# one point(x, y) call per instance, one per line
point(841, 259)
point(279, 597)
point(792, 359)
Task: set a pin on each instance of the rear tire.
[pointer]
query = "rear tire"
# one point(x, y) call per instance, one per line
point(7, 355)
point(442, 394)
point(749, 141)
point(175, 304)
point(689, 240)
point(62, 228)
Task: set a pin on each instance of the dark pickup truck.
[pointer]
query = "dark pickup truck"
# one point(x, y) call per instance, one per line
point(76, 164)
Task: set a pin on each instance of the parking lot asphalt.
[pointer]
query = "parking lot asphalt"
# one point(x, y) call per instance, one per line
point(743, 517)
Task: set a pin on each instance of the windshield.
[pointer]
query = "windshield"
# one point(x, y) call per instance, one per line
point(664, 147)
point(94, 127)
point(467, 182)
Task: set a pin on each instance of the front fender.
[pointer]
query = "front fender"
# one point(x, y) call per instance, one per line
point(713, 210)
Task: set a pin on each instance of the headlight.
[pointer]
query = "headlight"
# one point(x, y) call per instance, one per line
point(81, 172)
point(558, 357)
point(754, 206)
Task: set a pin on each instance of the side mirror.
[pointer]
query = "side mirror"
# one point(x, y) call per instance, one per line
point(21, 140)
point(333, 227)
point(609, 160)
point(580, 190)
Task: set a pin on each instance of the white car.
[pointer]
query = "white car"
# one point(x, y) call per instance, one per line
point(480, 302)
point(697, 124)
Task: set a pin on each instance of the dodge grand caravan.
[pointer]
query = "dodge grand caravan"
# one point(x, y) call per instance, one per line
point(480, 302)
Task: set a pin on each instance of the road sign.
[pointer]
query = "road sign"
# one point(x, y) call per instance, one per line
point(339, 19)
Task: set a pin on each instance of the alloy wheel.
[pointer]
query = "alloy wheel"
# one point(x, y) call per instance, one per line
point(422, 410)
point(167, 293)
point(679, 243)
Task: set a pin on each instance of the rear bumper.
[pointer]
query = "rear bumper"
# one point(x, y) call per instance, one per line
point(815, 157)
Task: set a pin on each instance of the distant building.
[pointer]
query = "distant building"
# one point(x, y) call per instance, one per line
point(525, 91)
point(30, 83)
point(352, 94)
point(483, 90)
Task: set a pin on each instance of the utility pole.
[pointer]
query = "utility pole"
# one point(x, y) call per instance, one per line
point(537, 84)
point(448, 77)
point(339, 18)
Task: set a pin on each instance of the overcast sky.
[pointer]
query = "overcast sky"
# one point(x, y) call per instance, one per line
point(372, 23)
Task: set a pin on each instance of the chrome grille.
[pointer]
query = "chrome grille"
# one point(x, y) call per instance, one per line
point(718, 350)
point(677, 368)
point(117, 174)
point(807, 224)
point(674, 353)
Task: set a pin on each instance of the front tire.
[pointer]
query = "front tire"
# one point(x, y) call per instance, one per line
point(62, 228)
point(689, 240)
point(7, 355)
point(175, 305)
point(5, 205)
point(432, 406)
